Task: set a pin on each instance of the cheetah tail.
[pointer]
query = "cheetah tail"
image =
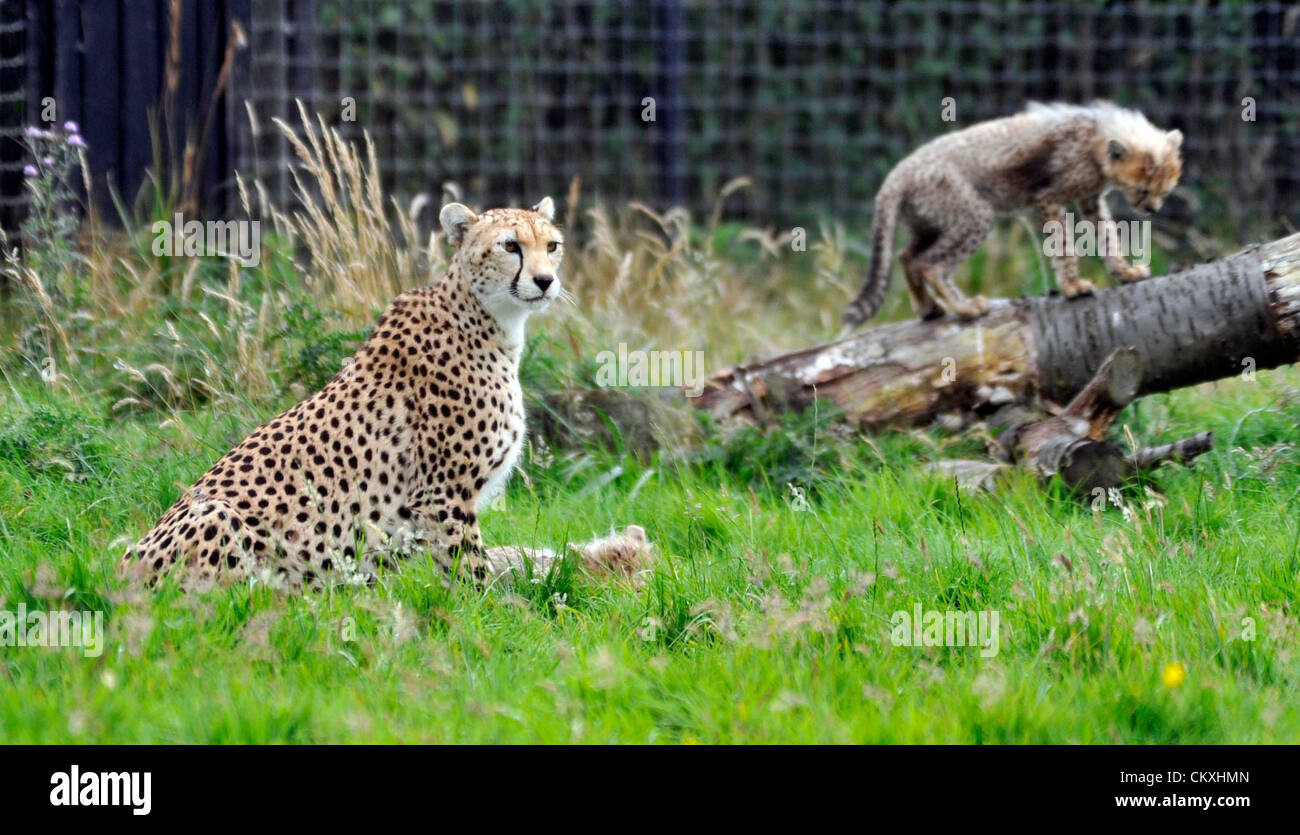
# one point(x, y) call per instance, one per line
point(872, 294)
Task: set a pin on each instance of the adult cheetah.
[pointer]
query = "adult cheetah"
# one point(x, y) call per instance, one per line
point(398, 452)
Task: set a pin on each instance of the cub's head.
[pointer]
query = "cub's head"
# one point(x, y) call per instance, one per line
point(510, 257)
point(1144, 163)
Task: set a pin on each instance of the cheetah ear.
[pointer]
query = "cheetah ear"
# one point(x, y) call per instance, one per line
point(546, 208)
point(1175, 139)
point(1116, 149)
point(455, 219)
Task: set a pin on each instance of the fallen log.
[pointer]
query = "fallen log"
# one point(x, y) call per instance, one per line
point(1240, 312)
point(1072, 444)
point(1011, 369)
point(987, 476)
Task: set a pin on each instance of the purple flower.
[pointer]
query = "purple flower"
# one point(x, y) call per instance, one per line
point(76, 141)
point(71, 127)
point(30, 171)
point(47, 161)
point(37, 133)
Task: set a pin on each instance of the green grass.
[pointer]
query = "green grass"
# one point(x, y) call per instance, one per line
point(762, 623)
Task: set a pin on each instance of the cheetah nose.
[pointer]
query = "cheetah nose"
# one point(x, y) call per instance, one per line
point(543, 281)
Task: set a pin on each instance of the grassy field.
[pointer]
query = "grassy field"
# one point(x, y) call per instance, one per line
point(1167, 615)
point(763, 622)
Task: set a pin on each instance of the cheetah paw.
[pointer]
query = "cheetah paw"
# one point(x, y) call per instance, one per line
point(1133, 272)
point(1078, 288)
point(973, 307)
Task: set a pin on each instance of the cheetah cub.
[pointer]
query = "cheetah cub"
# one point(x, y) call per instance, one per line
point(397, 453)
point(949, 191)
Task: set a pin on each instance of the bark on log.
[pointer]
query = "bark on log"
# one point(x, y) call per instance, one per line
point(1112, 388)
point(1184, 452)
point(1049, 448)
point(1204, 323)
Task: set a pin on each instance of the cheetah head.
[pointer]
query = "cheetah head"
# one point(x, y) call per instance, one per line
point(510, 257)
point(1145, 169)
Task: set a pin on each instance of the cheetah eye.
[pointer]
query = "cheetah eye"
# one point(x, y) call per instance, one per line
point(511, 246)
point(552, 246)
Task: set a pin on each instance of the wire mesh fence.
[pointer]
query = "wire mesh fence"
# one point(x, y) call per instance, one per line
point(665, 101)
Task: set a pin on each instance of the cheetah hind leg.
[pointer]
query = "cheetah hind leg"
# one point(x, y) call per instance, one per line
point(962, 220)
point(922, 300)
point(967, 307)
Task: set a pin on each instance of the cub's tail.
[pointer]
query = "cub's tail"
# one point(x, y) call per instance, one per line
point(872, 294)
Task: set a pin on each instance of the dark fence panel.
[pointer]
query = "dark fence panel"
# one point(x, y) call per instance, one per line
point(103, 62)
point(14, 61)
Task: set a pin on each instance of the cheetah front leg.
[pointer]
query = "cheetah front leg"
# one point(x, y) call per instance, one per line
point(1095, 210)
point(456, 545)
point(451, 535)
point(1064, 265)
point(465, 553)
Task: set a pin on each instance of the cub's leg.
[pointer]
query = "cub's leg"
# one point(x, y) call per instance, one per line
point(1066, 267)
point(627, 555)
point(926, 306)
point(1095, 210)
point(963, 220)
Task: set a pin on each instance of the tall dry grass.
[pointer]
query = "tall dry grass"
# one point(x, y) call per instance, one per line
point(173, 333)
point(361, 248)
point(645, 278)
point(672, 281)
